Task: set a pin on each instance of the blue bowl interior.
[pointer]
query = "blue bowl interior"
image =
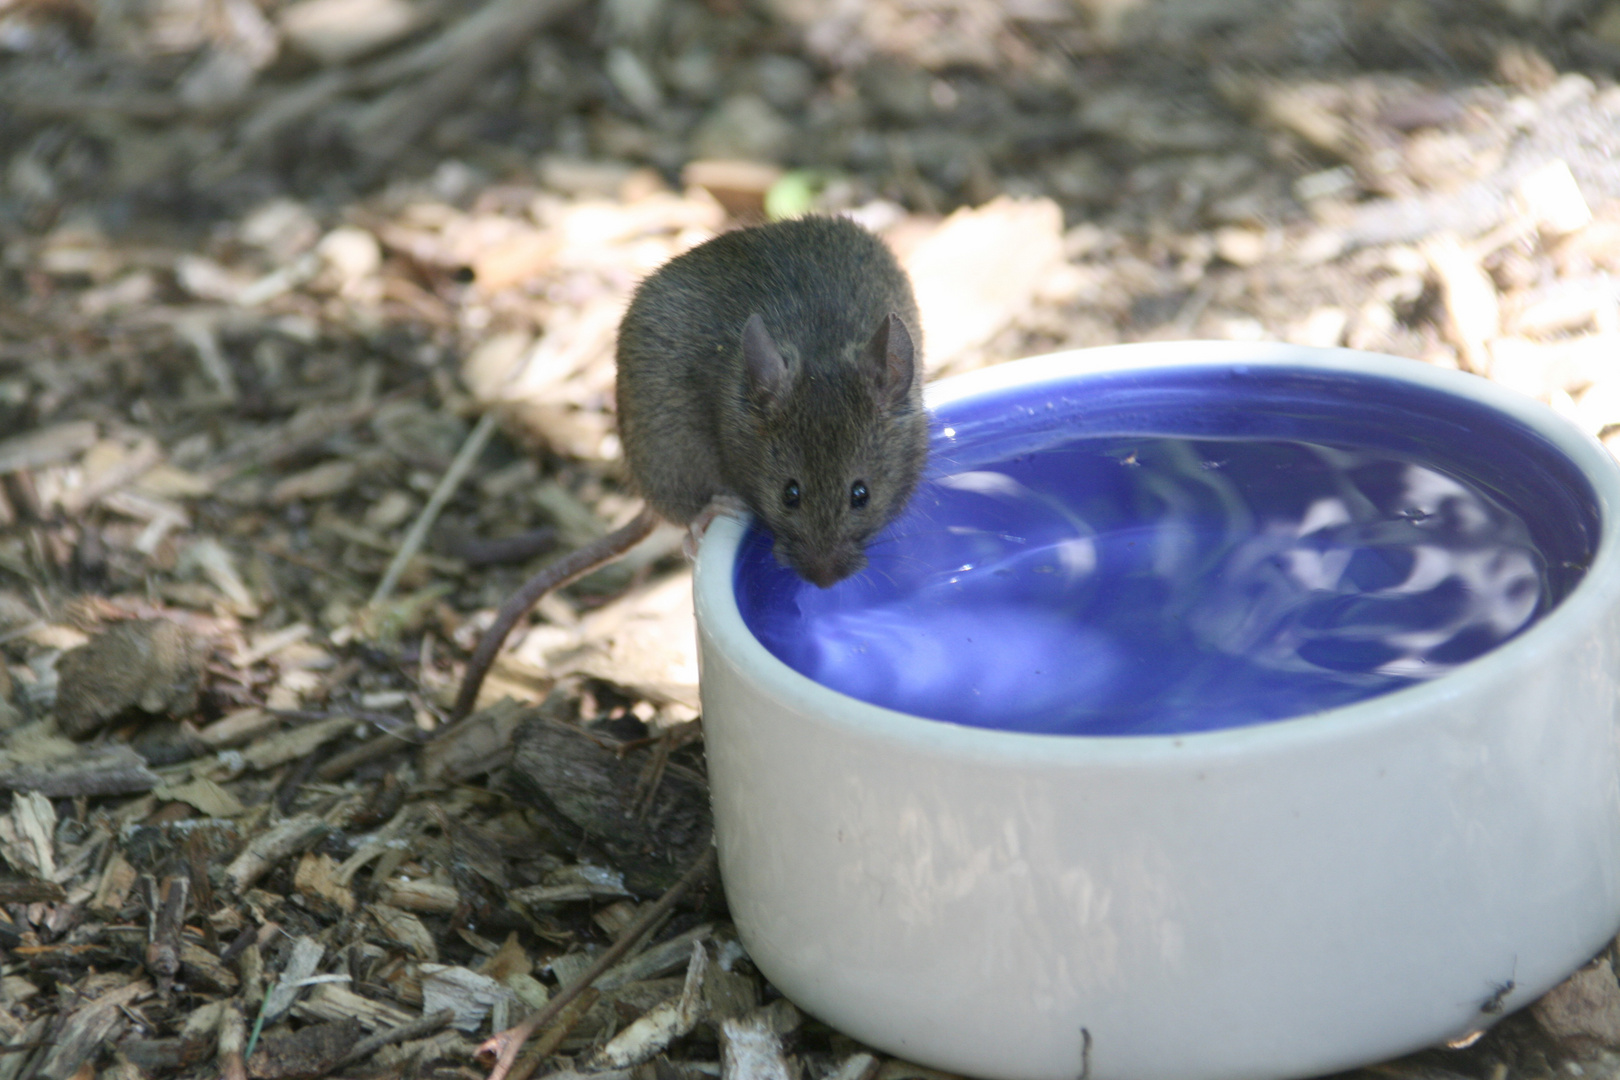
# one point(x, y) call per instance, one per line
point(1186, 549)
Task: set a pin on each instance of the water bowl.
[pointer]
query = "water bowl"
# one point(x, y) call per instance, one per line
point(1214, 710)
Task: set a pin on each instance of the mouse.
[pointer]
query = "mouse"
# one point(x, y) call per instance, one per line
point(774, 369)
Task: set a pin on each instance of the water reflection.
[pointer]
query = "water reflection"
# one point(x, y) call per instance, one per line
point(1128, 586)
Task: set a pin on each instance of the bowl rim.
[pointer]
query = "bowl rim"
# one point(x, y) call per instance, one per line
point(1598, 592)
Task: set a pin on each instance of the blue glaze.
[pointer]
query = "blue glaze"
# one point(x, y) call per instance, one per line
point(1182, 550)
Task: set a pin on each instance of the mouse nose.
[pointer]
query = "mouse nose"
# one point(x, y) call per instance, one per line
point(822, 576)
point(820, 567)
point(829, 571)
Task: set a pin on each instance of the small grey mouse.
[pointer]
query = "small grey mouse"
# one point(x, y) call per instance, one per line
point(777, 368)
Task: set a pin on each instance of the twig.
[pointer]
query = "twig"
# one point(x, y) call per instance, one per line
point(458, 470)
point(554, 1036)
point(335, 768)
point(555, 575)
point(203, 336)
point(396, 122)
point(476, 551)
point(232, 1031)
point(60, 104)
point(165, 918)
point(504, 1046)
point(422, 1025)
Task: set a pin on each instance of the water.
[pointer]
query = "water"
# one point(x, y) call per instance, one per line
point(1180, 552)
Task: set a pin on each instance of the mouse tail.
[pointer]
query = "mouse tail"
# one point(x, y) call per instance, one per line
point(576, 564)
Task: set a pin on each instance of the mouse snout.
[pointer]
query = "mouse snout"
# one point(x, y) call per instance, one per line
point(827, 570)
point(819, 565)
point(822, 576)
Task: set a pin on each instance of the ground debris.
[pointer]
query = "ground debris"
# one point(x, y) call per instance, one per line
point(751, 1045)
point(113, 769)
point(88, 1028)
point(660, 1025)
point(1585, 1005)
point(266, 275)
point(308, 1052)
point(152, 665)
point(586, 779)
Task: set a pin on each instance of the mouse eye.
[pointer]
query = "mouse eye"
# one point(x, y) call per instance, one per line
point(790, 494)
point(858, 494)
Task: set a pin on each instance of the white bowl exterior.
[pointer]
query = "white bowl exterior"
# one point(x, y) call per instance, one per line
point(1277, 900)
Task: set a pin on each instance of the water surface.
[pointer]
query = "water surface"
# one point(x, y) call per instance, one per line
point(1184, 551)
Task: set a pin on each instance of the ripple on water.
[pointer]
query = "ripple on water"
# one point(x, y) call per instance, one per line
point(1114, 584)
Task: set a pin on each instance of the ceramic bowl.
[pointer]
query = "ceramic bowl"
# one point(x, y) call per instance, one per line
point(1277, 899)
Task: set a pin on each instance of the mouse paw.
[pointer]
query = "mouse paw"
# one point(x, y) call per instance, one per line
point(727, 505)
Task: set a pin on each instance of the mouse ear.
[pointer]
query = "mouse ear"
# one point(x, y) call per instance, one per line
point(767, 372)
point(891, 360)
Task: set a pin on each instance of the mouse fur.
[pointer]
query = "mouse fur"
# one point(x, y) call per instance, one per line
point(779, 365)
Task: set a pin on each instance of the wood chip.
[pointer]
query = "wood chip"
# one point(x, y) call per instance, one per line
point(316, 877)
point(739, 186)
point(429, 897)
point(334, 1001)
point(301, 966)
point(267, 645)
point(166, 905)
point(268, 848)
point(1240, 246)
point(202, 969)
point(232, 1043)
point(579, 882)
point(1539, 368)
point(338, 31)
point(659, 959)
point(481, 43)
point(564, 771)
point(1553, 199)
point(1472, 314)
point(857, 1066)
point(477, 745)
point(515, 260)
point(236, 728)
point(320, 482)
point(164, 481)
point(643, 641)
point(310, 1051)
point(652, 1032)
point(90, 1028)
point(47, 446)
point(109, 465)
point(469, 995)
point(295, 743)
point(205, 795)
point(31, 892)
point(1566, 305)
point(980, 270)
point(1585, 1005)
point(404, 928)
point(751, 1050)
point(117, 879)
point(208, 557)
point(27, 835)
point(1599, 406)
point(110, 769)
